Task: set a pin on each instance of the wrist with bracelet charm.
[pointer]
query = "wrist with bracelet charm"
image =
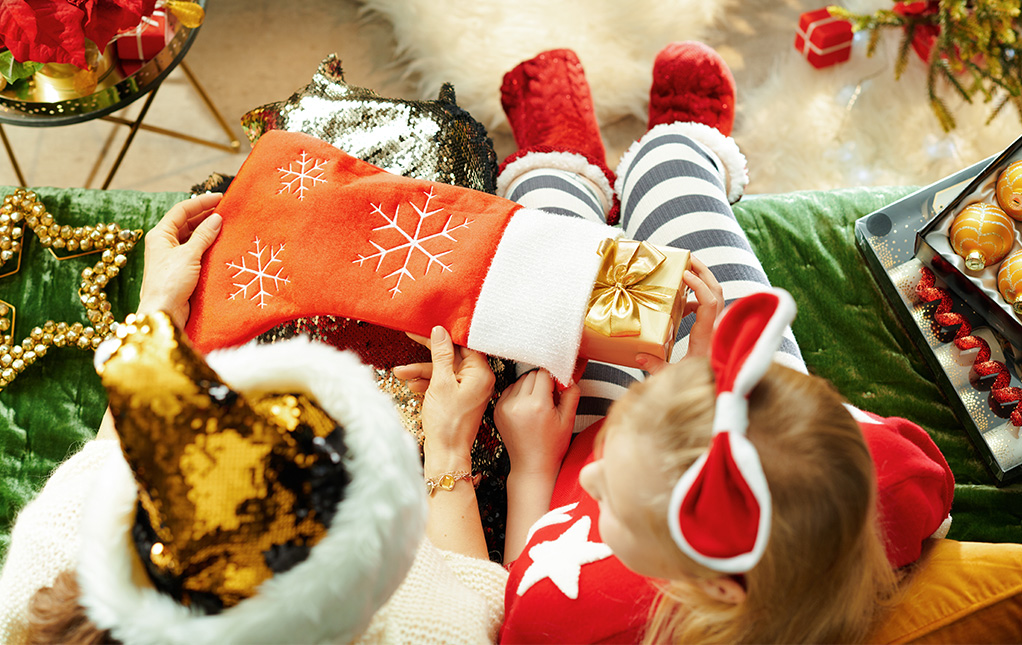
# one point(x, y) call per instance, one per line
point(447, 481)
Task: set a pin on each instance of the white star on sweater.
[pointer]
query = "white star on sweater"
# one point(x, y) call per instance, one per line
point(561, 560)
point(558, 515)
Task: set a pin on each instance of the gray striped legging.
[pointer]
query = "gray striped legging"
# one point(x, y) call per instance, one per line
point(672, 192)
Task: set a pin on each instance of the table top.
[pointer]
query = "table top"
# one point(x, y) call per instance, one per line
point(113, 92)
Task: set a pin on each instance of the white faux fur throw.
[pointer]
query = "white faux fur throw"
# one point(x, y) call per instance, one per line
point(472, 44)
point(801, 128)
point(854, 125)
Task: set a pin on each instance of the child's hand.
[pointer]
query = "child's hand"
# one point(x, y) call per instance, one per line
point(708, 305)
point(173, 256)
point(458, 385)
point(536, 430)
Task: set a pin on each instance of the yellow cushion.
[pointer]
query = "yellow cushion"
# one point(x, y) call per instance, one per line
point(961, 592)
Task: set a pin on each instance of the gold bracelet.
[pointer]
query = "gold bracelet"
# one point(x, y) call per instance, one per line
point(447, 481)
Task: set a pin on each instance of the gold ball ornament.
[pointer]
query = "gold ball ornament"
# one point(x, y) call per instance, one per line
point(1009, 190)
point(982, 234)
point(1009, 281)
point(24, 209)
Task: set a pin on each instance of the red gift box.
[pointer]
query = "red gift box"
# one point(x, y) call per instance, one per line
point(129, 67)
point(823, 39)
point(144, 41)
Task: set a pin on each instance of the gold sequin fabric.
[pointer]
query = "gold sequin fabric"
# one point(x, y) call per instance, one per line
point(232, 489)
point(383, 349)
point(432, 140)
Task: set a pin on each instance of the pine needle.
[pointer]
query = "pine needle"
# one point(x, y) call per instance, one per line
point(973, 51)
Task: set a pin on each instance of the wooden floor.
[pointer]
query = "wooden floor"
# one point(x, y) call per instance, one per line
point(252, 52)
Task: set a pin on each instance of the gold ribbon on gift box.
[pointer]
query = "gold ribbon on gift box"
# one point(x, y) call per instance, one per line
point(618, 292)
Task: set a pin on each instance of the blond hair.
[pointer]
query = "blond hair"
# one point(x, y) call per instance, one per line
point(824, 576)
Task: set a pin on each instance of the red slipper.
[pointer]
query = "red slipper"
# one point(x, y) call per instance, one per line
point(549, 105)
point(692, 83)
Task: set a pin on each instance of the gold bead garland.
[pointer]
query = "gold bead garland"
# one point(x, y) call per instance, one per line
point(22, 208)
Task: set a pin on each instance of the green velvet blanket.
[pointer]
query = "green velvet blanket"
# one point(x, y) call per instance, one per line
point(845, 327)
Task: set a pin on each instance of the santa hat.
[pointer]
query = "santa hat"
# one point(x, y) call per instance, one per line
point(915, 485)
point(291, 505)
point(720, 510)
point(310, 230)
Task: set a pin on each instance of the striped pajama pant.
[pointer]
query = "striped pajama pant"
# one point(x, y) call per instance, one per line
point(672, 193)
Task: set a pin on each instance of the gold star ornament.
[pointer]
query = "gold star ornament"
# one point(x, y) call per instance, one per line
point(23, 209)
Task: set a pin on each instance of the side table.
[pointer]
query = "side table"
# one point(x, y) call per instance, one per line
point(37, 106)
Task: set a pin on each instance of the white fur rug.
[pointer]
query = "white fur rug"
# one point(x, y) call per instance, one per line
point(853, 124)
point(472, 44)
point(801, 128)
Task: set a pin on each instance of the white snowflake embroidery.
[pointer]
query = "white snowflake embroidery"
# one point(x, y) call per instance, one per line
point(413, 242)
point(261, 277)
point(301, 175)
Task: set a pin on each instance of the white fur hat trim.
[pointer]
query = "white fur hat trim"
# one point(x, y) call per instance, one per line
point(348, 575)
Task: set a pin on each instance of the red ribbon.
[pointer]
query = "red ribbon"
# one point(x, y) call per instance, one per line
point(1000, 390)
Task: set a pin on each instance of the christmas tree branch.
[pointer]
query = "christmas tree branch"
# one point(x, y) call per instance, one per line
point(967, 44)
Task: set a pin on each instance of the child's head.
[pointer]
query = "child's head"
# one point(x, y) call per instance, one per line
point(823, 573)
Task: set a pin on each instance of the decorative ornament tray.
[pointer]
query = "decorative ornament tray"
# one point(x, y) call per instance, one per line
point(975, 365)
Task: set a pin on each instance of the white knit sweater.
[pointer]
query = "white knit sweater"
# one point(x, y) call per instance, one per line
point(446, 597)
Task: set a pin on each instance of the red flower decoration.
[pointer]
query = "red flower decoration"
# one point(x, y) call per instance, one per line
point(55, 31)
point(918, 8)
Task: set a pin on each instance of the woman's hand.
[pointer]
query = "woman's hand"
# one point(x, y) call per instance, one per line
point(173, 256)
point(535, 428)
point(708, 306)
point(458, 386)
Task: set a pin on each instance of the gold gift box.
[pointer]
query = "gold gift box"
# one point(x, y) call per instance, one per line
point(637, 302)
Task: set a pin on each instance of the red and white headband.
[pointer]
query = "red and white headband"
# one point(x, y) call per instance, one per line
point(719, 514)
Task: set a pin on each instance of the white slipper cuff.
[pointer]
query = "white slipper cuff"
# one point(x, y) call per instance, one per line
point(567, 161)
point(734, 163)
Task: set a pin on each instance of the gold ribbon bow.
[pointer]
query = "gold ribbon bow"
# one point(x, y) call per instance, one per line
point(618, 292)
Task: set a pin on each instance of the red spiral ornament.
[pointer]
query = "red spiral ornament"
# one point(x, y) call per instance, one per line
point(1000, 390)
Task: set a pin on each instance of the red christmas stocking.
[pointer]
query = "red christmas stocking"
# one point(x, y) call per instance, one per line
point(309, 230)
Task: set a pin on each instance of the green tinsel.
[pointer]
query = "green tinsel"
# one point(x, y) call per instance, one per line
point(974, 51)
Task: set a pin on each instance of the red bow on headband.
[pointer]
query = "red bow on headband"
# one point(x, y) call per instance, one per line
point(719, 513)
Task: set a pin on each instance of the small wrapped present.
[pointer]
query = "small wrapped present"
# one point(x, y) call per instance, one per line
point(129, 67)
point(823, 39)
point(144, 41)
point(637, 302)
